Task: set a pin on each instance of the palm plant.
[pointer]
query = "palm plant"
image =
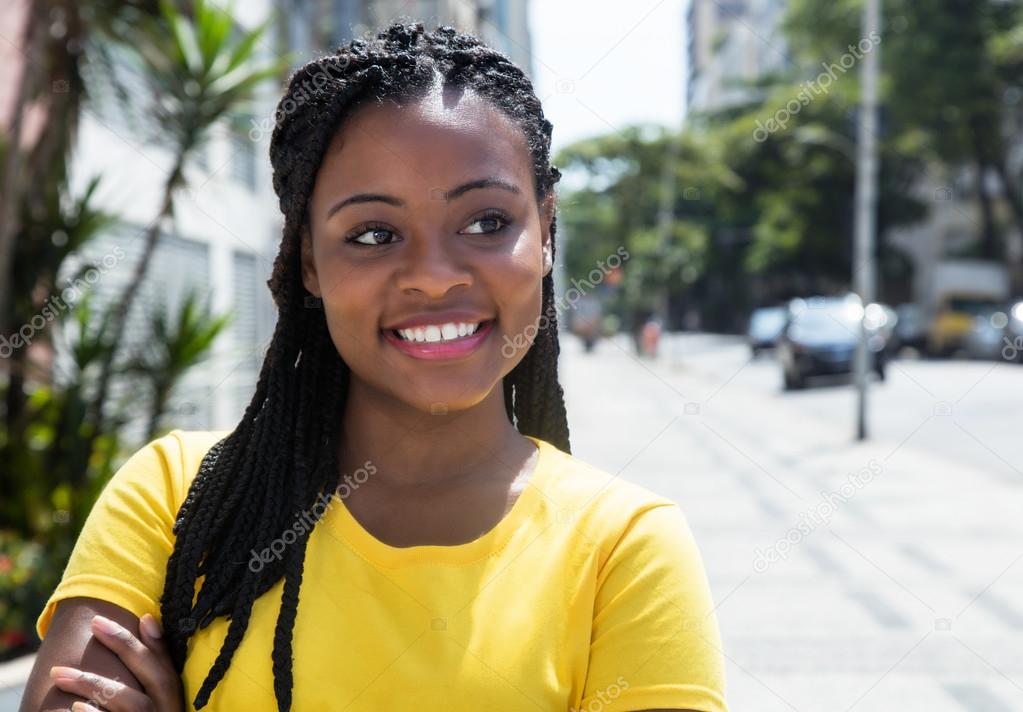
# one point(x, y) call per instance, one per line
point(198, 68)
point(59, 38)
point(177, 343)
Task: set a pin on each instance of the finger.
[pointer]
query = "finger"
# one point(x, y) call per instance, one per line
point(153, 669)
point(100, 691)
point(79, 706)
point(152, 636)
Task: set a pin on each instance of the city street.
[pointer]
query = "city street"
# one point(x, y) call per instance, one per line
point(812, 174)
point(901, 591)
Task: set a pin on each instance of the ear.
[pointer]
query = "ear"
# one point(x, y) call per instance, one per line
point(309, 277)
point(546, 216)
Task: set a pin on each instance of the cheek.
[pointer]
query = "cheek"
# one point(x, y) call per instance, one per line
point(517, 287)
point(351, 305)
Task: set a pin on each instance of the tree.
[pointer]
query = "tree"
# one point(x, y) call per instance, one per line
point(57, 448)
point(178, 344)
point(621, 185)
point(198, 68)
point(948, 67)
point(59, 38)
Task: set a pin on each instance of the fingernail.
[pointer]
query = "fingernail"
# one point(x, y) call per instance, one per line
point(106, 625)
point(80, 706)
point(151, 626)
point(59, 671)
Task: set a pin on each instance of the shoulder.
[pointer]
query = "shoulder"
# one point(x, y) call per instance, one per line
point(608, 509)
point(652, 609)
point(579, 485)
point(167, 464)
point(121, 553)
point(183, 450)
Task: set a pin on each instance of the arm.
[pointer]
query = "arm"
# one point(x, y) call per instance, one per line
point(127, 670)
point(70, 642)
point(115, 570)
point(655, 643)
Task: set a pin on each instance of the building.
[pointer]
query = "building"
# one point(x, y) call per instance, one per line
point(733, 43)
point(221, 241)
point(730, 43)
point(227, 225)
point(314, 26)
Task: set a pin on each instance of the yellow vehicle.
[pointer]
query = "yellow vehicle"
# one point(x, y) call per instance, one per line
point(954, 319)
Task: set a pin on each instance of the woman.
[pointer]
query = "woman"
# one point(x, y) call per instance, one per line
point(403, 470)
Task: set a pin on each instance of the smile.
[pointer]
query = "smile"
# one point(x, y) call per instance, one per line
point(440, 341)
point(431, 333)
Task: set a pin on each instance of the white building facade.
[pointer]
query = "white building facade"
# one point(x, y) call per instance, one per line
point(221, 241)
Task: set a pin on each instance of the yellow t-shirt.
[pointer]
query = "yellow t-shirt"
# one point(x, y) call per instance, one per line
point(589, 595)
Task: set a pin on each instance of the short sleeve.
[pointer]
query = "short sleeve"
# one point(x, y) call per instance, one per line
point(122, 551)
point(655, 641)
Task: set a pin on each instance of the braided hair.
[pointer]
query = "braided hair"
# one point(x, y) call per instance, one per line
point(282, 455)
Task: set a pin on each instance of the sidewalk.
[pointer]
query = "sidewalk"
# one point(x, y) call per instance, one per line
point(12, 681)
point(899, 594)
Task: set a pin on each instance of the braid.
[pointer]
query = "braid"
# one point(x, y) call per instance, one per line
point(282, 456)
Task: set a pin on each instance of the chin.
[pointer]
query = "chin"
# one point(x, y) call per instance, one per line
point(448, 400)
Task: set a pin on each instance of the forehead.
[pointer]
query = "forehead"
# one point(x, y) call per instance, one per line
point(437, 140)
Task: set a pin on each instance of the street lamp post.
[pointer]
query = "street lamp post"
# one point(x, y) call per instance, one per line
point(666, 218)
point(866, 203)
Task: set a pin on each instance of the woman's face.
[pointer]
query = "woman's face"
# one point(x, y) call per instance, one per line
point(424, 217)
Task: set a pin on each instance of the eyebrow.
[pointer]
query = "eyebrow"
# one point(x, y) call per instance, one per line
point(478, 184)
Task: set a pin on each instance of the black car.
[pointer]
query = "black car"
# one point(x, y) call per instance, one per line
point(820, 340)
point(765, 325)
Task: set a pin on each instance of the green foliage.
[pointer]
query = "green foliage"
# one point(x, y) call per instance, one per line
point(951, 72)
point(179, 342)
point(28, 574)
point(55, 455)
point(199, 67)
point(774, 216)
point(622, 185)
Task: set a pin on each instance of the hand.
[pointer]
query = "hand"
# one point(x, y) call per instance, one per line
point(147, 659)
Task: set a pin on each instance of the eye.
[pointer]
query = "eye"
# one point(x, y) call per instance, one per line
point(377, 235)
point(494, 219)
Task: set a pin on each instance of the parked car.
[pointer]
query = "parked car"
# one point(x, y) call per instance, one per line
point(910, 328)
point(986, 336)
point(1012, 344)
point(954, 320)
point(820, 339)
point(765, 325)
point(953, 293)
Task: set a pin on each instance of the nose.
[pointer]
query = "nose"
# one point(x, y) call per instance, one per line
point(432, 267)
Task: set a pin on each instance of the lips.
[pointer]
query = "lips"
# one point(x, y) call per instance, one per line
point(438, 318)
point(441, 350)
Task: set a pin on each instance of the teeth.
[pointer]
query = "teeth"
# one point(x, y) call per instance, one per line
point(439, 332)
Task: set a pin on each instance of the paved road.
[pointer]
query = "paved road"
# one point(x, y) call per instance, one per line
point(969, 411)
point(900, 585)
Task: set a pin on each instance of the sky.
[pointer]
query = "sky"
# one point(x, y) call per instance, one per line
point(601, 65)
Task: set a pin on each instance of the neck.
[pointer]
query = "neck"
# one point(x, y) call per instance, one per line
point(416, 451)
